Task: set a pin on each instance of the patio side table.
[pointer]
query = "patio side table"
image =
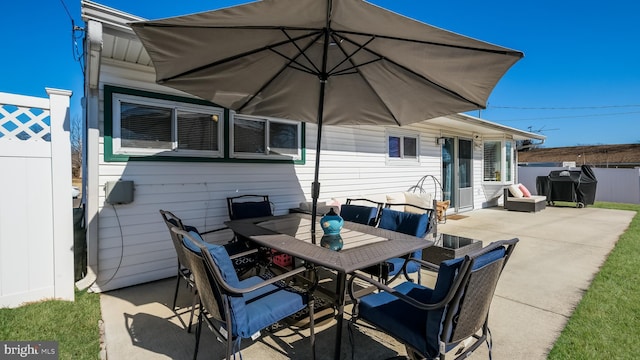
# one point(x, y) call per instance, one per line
point(448, 246)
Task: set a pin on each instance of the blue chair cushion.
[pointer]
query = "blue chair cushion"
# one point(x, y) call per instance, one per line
point(404, 222)
point(391, 314)
point(220, 257)
point(250, 209)
point(359, 214)
point(254, 310)
point(266, 306)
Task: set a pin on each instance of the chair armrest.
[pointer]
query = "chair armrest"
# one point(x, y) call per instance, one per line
point(214, 230)
point(407, 299)
point(429, 266)
point(273, 280)
point(244, 253)
point(390, 290)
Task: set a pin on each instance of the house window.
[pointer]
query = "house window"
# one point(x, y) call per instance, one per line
point(402, 146)
point(498, 161)
point(265, 138)
point(149, 126)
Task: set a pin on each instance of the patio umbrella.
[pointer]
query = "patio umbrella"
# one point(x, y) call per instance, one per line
point(325, 62)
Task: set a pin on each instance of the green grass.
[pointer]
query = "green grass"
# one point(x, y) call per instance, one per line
point(606, 323)
point(74, 325)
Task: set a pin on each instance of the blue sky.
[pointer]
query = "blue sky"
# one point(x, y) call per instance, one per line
point(578, 84)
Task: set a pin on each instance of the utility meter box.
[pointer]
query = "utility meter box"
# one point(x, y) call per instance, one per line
point(119, 192)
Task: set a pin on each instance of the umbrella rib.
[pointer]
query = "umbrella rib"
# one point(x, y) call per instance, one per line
point(232, 58)
point(347, 57)
point(291, 60)
point(303, 52)
point(495, 51)
point(442, 88)
point(301, 67)
point(355, 69)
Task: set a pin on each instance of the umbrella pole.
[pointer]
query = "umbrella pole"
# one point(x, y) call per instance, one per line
point(315, 186)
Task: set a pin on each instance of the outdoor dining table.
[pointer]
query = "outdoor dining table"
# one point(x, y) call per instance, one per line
point(363, 246)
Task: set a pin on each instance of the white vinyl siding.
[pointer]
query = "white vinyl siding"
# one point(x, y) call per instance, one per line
point(134, 244)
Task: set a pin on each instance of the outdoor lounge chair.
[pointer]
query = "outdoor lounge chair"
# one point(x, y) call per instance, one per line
point(235, 309)
point(432, 322)
point(411, 223)
point(362, 214)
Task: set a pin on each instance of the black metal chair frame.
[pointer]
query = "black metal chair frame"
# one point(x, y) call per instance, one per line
point(472, 289)
point(377, 204)
point(232, 200)
point(184, 271)
point(214, 293)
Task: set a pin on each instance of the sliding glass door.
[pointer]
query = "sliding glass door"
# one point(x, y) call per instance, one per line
point(457, 172)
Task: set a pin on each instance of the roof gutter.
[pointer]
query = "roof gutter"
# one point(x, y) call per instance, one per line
point(491, 125)
point(91, 139)
point(115, 21)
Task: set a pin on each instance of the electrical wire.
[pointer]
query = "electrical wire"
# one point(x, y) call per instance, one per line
point(571, 116)
point(564, 108)
point(76, 35)
point(121, 250)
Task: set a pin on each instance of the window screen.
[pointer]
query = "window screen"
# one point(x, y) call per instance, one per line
point(197, 131)
point(283, 138)
point(492, 161)
point(249, 136)
point(144, 126)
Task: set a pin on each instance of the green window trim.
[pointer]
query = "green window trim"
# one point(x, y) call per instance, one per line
point(110, 156)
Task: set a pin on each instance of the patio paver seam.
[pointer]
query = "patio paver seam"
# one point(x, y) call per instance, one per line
point(532, 306)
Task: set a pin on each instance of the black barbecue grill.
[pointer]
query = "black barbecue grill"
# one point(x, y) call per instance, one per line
point(577, 186)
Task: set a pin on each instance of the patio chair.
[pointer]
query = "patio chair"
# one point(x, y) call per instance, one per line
point(410, 223)
point(254, 206)
point(432, 322)
point(249, 206)
point(235, 309)
point(184, 272)
point(361, 214)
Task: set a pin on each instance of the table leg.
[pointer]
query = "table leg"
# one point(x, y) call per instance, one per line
point(340, 295)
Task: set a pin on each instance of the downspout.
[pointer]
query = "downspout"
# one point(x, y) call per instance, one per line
point(93, 55)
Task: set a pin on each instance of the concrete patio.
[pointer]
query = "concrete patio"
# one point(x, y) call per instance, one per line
point(560, 251)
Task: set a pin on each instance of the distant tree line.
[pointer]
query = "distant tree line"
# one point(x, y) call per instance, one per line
point(76, 147)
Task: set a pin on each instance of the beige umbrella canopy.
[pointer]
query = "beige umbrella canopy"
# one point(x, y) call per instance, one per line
point(324, 61)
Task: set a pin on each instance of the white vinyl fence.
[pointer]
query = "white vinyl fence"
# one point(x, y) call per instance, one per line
point(614, 185)
point(36, 224)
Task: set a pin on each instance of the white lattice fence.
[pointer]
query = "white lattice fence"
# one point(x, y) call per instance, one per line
point(36, 225)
